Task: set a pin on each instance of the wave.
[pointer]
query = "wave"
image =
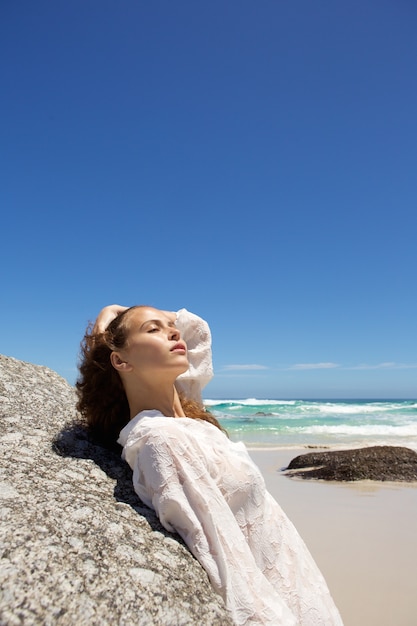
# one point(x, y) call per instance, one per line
point(249, 402)
point(255, 420)
point(314, 407)
point(374, 407)
point(366, 430)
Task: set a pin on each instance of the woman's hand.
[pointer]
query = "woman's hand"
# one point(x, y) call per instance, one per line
point(107, 315)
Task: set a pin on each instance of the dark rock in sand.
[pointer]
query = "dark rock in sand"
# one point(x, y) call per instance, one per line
point(393, 463)
point(78, 546)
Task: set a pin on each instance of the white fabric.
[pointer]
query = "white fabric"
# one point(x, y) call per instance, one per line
point(208, 490)
point(196, 334)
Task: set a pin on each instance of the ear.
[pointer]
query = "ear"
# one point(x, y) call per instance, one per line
point(118, 363)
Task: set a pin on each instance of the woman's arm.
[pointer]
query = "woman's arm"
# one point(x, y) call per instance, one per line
point(196, 333)
point(106, 316)
point(171, 478)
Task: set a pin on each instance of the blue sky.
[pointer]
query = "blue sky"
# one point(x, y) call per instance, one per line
point(252, 162)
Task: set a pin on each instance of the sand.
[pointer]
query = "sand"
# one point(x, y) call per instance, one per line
point(362, 535)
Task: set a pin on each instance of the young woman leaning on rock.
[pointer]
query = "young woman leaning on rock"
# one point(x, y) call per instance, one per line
point(141, 375)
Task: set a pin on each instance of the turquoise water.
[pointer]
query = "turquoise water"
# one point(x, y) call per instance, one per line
point(333, 423)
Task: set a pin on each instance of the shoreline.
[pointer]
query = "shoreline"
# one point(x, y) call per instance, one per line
point(361, 534)
point(339, 445)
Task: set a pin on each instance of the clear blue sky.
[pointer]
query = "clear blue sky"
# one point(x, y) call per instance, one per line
point(254, 162)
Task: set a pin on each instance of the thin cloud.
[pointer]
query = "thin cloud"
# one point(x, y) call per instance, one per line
point(389, 365)
point(313, 366)
point(244, 367)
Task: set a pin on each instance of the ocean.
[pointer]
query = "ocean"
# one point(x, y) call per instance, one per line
point(329, 423)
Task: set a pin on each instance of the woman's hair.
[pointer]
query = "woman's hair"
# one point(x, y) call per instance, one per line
point(102, 400)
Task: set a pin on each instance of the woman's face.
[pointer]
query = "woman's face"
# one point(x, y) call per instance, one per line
point(153, 343)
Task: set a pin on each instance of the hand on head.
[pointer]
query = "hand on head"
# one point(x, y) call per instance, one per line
point(106, 316)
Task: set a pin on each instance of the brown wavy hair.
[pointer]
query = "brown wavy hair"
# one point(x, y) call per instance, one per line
point(102, 400)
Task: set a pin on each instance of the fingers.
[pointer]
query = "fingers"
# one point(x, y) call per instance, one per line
point(106, 316)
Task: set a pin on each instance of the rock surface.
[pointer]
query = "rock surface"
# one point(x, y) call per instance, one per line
point(77, 544)
point(393, 463)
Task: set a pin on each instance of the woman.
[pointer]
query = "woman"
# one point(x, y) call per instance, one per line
point(141, 367)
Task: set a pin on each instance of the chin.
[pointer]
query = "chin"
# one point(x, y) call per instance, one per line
point(183, 369)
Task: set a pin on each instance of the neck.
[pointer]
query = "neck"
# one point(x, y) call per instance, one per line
point(162, 398)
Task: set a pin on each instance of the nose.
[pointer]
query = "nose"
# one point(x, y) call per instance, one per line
point(174, 333)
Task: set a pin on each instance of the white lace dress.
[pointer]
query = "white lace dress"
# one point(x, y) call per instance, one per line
point(208, 490)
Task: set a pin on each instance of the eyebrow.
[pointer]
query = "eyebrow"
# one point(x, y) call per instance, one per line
point(158, 323)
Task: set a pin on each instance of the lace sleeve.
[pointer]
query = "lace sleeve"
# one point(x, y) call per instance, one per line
point(176, 483)
point(196, 333)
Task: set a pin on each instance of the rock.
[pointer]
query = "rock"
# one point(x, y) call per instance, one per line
point(78, 546)
point(393, 463)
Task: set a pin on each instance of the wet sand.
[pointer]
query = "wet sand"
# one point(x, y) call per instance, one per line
point(362, 535)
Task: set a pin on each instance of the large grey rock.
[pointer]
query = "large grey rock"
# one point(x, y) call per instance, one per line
point(394, 463)
point(77, 544)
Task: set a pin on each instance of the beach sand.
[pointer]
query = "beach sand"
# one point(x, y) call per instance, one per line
point(362, 536)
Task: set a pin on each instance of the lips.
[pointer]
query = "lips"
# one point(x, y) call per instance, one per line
point(179, 347)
